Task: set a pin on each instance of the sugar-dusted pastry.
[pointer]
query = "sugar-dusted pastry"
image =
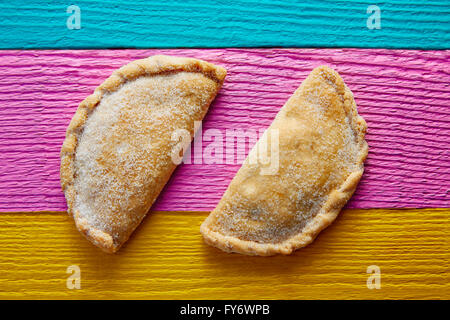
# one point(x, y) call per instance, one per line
point(320, 159)
point(117, 154)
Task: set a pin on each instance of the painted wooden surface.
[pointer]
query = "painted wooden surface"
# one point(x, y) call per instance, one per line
point(255, 23)
point(403, 95)
point(167, 259)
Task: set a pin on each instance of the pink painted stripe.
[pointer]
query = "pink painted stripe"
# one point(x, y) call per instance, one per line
point(403, 95)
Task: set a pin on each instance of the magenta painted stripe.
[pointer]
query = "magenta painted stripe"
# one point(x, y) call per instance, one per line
point(403, 95)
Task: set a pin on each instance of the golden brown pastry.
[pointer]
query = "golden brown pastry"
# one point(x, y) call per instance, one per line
point(320, 159)
point(117, 154)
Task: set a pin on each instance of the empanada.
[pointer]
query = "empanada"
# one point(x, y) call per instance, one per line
point(321, 152)
point(116, 157)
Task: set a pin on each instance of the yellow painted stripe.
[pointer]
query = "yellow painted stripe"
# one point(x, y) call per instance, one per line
point(167, 259)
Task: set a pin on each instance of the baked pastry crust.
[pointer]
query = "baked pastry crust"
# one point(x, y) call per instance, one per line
point(322, 149)
point(116, 157)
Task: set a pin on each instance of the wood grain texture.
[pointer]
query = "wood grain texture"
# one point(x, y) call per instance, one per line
point(403, 95)
point(243, 23)
point(167, 259)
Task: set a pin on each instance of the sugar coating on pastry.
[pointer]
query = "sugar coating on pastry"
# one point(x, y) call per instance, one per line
point(117, 155)
point(321, 153)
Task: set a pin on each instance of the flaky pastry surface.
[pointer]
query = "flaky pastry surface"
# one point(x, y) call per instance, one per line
point(116, 157)
point(322, 149)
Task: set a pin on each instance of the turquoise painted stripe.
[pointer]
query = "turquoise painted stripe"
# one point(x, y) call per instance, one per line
point(255, 23)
